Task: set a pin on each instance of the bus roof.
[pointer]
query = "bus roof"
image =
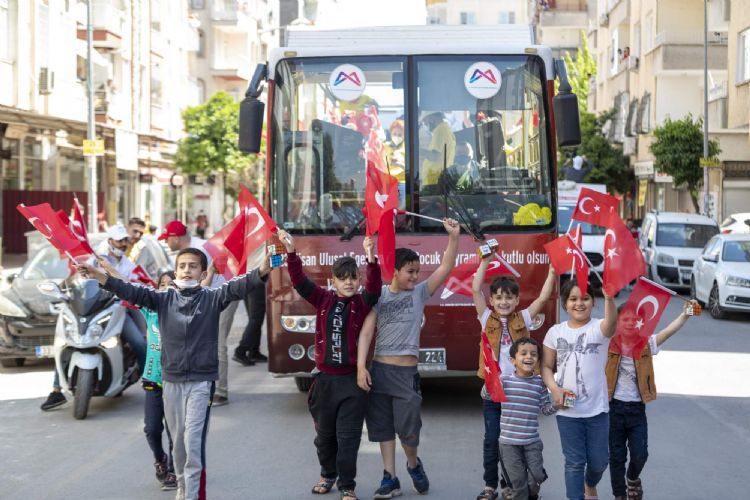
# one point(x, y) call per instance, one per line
point(410, 40)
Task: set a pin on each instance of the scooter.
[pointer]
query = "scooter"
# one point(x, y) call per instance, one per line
point(90, 357)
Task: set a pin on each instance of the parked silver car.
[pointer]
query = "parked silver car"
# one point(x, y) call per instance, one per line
point(28, 317)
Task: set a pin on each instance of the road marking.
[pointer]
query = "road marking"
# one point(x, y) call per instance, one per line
point(691, 373)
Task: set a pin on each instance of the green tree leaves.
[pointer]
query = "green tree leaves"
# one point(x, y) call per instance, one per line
point(678, 148)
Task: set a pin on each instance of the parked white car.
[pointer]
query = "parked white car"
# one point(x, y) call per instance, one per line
point(736, 223)
point(721, 277)
point(671, 242)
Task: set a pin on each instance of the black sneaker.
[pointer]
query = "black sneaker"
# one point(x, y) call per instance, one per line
point(242, 358)
point(258, 357)
point(54, 400)
point(170, 482)
point(419, 478)
point(389, 487)
point(161, 470)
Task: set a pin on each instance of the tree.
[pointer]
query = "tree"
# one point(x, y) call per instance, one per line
point(210, 145)
point(580, 71)
point(610, 166)
point(677, 150)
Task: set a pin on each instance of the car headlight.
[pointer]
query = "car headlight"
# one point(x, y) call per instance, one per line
point(663, 258)
point(8, 308)
point(737, 281)
point(298, 324)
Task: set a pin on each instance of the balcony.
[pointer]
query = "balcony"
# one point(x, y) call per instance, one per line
point(109, 25)
point(231, 68)
point(110, 106)
point(563, 19)
point(224, 11)
point(683, 51)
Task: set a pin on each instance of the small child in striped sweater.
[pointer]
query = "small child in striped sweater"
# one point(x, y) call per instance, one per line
point(520, 443)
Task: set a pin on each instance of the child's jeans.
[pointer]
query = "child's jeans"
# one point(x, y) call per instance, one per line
point(337, 406)
point(584, 443)
point(628, 430)
point(491, 452)
point(153, 421)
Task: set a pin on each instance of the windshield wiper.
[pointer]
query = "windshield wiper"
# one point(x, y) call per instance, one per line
point(349, 233)
point(458, 206)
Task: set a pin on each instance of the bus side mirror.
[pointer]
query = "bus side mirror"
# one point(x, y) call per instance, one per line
point(565, 106)
point(251, 113)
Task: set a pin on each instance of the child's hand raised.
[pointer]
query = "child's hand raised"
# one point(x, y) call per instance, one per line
point(369, 245)
point(286, 240)
point(451, 226)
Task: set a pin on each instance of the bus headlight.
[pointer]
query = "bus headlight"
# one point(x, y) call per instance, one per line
point(537, 322)
point(298, 324)
point(296, 352)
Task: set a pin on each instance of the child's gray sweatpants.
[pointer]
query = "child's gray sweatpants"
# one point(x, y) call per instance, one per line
point(187, 406)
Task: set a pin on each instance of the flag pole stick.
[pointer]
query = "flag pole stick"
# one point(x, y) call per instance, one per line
point(420, 215)
point(591, 266)
point(507, 264)
point(657, 285)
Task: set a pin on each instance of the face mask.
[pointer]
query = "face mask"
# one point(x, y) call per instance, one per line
point(185, 284)
point(116, 251)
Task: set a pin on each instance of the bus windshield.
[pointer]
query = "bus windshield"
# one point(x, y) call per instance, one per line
point(469, 145)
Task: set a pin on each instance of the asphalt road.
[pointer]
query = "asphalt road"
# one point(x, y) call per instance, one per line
point(261, 445)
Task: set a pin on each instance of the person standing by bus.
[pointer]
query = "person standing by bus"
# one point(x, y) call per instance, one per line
point(336, 403)
point(441, 150)
point(503, 326)
point(394, 406)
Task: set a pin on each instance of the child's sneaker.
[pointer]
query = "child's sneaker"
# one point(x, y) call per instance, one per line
point(419, 478)
point(389, 487)
point(161, 469)
point(635, 490)
point(170, 482)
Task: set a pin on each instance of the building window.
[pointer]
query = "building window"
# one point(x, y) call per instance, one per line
point(201, 43)
point(156, 87)
point(468, 18)
point(743, 57)
point(506, 17)
point(197, 4)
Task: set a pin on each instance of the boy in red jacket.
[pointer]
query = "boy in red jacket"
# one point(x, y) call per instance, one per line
point(335, 401)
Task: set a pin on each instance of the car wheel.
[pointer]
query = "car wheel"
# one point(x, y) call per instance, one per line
point(693, 293)
point(714, 307)
point(12, 362)
point(303, 383)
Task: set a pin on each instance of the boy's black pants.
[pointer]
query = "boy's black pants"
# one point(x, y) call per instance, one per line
point(337, 406)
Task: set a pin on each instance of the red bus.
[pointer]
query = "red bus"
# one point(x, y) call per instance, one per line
point(462, 116)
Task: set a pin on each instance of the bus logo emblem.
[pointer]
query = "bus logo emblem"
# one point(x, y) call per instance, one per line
point(482, 80)
point(347, 82)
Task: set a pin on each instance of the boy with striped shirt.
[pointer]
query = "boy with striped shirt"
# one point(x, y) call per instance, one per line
point(520, 443)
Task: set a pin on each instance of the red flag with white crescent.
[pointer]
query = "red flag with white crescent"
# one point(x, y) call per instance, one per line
point(381, 195)
point(258, 226)
point(387, 244)
point(49, 223)
point(226, 247)
point(564, 255)
point(638, 318)
point(595, 207)
point(461, 277)
point(492, 372)
point(623, 260)
point(78, 226)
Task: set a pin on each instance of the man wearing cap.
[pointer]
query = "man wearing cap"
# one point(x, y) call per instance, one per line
point(440, 152)
point(112, 253)
point(177, 238)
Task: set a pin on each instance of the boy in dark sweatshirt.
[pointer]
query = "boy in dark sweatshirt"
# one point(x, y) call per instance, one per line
point(189, 324)
point(336, 403)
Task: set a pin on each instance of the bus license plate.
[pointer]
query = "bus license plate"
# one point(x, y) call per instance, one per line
point(44, 351)
point(432, 359)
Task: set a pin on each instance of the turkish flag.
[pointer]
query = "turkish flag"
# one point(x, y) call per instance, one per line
point(595, 208)
point(78, 226)
point(50, 224)
point(566, 255)
point(258, 226)
point(623, 261)
point(381, 195)
point(142, 277)
point(461, 277)
point(387, 244)
point(639, 317)
point(492, 372)
point(227, 246)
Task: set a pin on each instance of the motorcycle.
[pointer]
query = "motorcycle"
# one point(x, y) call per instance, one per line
point(90, 358)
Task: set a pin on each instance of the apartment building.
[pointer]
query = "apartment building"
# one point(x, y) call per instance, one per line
point(559, 24)
point(650, 68)
point(479, 11)
point(141, 82)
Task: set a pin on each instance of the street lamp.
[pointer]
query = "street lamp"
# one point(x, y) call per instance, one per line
point(705, 107)
point(90, 130)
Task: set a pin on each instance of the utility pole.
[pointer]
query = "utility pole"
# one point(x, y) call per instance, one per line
point(705, 108)
point(90, 126)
